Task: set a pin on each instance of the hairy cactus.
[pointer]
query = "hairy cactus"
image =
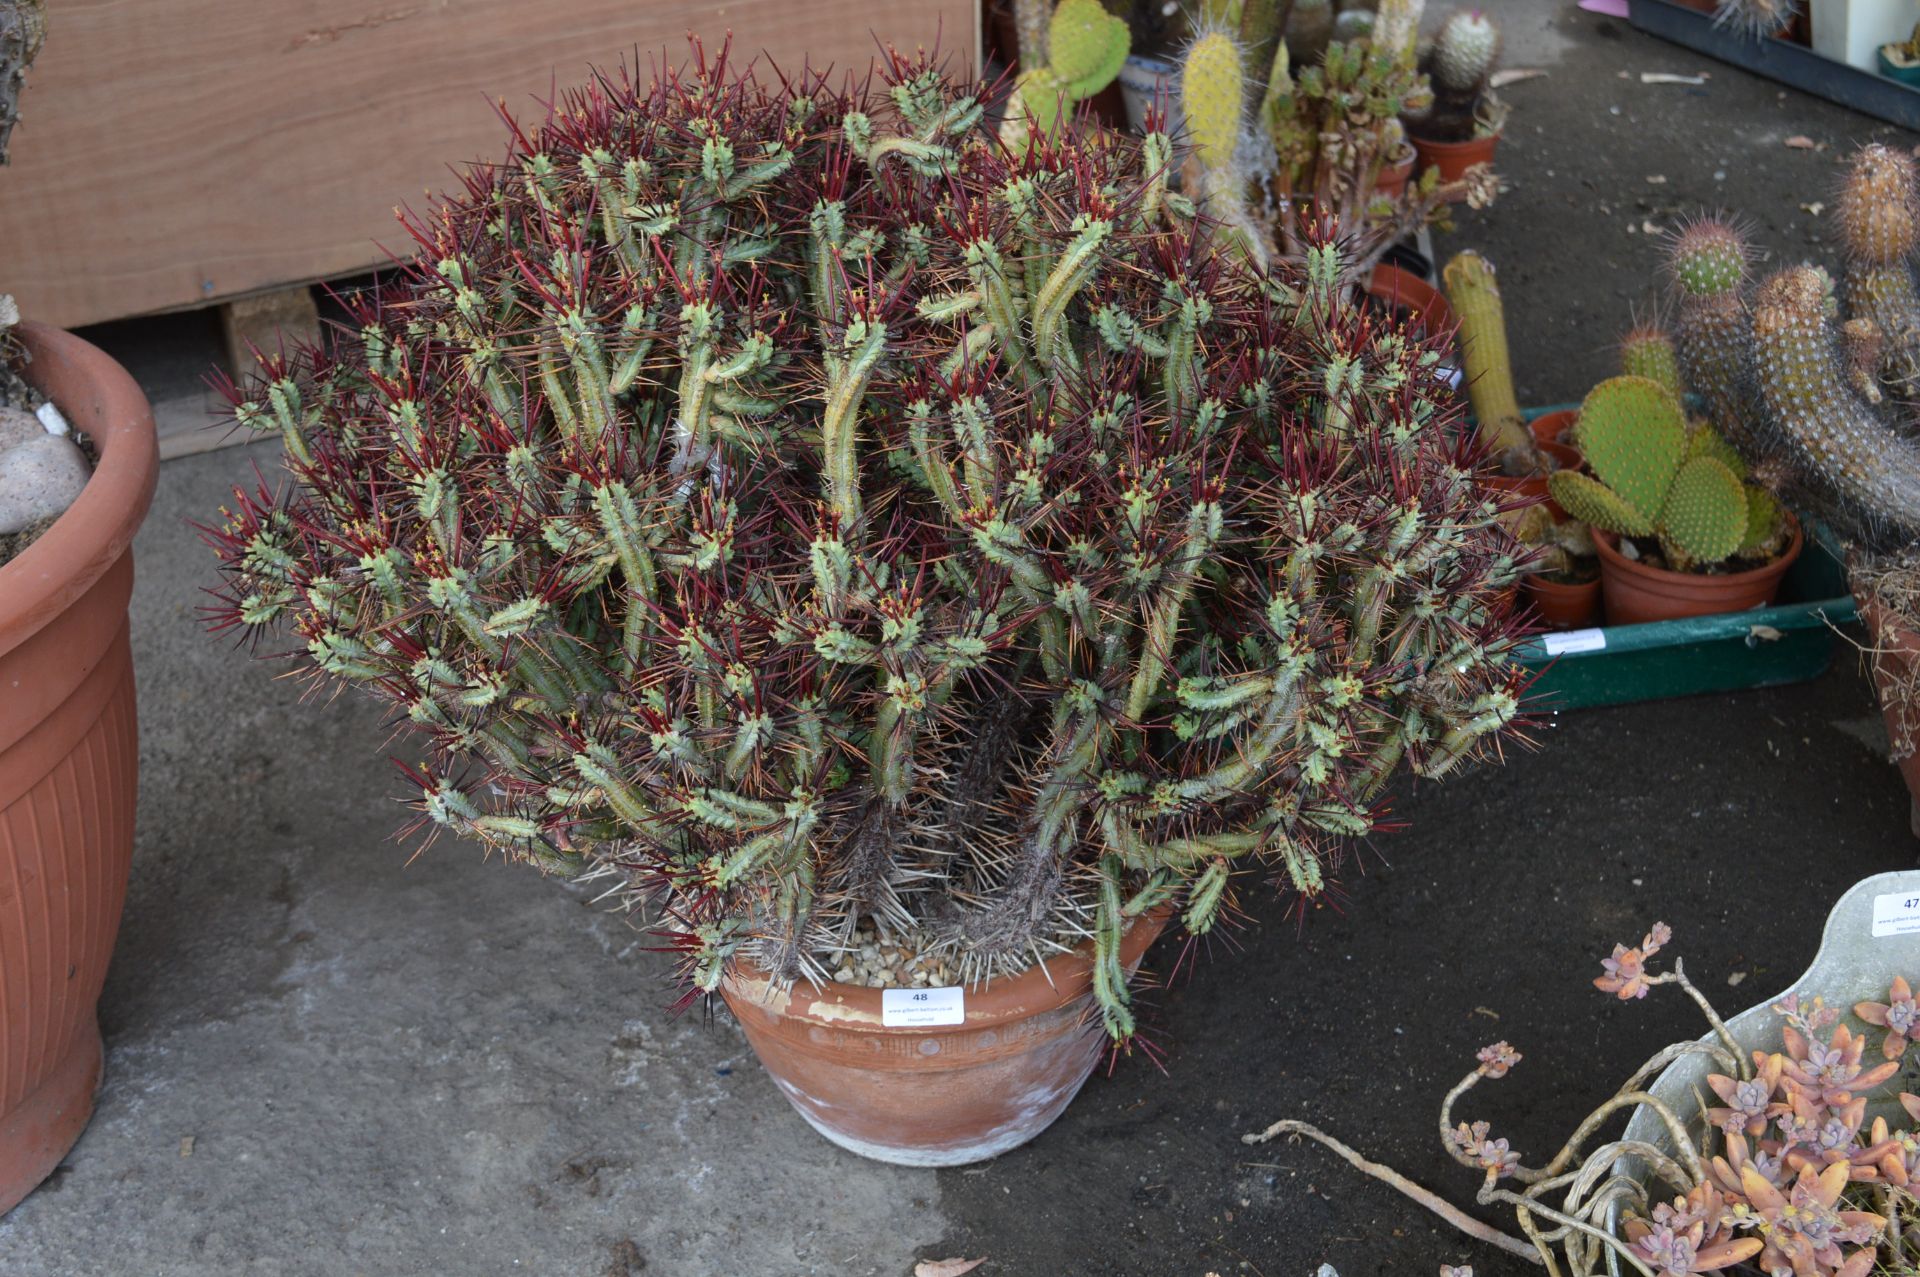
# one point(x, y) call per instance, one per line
point(1755, 19)
point(1086, 47)
point(801, 508)
point(1878, 214)
point(1707, 262)
point(1464, 53)
point(1213, 93)
point(1474, 293)
point(1647, 351)
point(1652, 476)
point(1844, 461)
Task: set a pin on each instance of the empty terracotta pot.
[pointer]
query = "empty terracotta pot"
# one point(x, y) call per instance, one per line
point(1453, 159)
point(1403, 290)
point(1635, 592)
point(1393, 178)
point(1896, 652)
point(944, 1094)
point(1564, 607)
point(67, 764)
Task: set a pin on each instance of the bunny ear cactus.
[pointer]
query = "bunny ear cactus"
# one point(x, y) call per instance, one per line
point(1878, 213)
point(1086, 48)
point(797, 509)
point(1651, 477)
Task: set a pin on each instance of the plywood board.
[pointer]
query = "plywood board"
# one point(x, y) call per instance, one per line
point(181, 153)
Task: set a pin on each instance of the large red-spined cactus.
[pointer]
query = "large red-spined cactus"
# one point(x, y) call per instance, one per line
point(799, 507)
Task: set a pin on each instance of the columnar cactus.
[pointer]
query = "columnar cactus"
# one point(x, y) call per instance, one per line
point(1878, 214)
point(1474, 293)
point(800, 508)
point(1653, 476)
point(1708, 266)
point(1843, 459)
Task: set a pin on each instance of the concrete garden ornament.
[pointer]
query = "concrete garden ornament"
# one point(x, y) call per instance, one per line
point(829, 528)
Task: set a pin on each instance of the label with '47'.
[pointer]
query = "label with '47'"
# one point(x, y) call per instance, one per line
point(1896, 913)
point(922, 1008)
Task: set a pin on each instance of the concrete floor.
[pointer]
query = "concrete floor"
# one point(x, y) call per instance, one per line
point(327, 1058)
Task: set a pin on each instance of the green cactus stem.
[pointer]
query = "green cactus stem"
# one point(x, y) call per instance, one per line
point(1647, 350)
point(1879, 223)
point(1844, 460)
point(1474, 293)
point(1708, 265)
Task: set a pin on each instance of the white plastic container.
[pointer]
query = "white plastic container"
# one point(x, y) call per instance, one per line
point(1852, 31)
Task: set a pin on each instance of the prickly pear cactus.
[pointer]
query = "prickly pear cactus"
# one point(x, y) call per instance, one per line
point(1464, 52)
point(1845, 461)
point(1652, 476)
point(1086, 45)
point(1878, 213)
point(797, 509)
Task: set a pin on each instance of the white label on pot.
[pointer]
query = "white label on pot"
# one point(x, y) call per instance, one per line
point(1896, 913)
point(922, 1008)
point(1573, 641)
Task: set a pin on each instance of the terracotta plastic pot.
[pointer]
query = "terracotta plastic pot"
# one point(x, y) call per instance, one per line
point(1453, 159)
point(937, 1096)
point(1393, 178)
point(1565, 456)
point(67, 765)
point(1564, 607)
point(1636, 592)
point(1896, 654)
point(1406, 291)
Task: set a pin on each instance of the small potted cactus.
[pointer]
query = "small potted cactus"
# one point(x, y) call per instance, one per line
point(1678, 529)
point(835, 530)
point(1900, 59)
point(1463, 125)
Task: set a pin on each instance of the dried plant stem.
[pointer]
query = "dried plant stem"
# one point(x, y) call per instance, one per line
point(1387, 1175)
point(1679, 976)
point(1532, 1206)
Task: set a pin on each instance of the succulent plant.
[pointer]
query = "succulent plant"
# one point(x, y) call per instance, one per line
point(1654, 476)
point(800, 508)
point(1843, 459)
point(1878, 214)
point(1807, 1164)
point(1647, 350)
point(1756, 19)
point(1086, 47)
point(1708, 265)
point(1473, 291)
point(1461, 64)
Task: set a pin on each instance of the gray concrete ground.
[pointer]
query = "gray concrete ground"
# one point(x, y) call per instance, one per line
point(327, 1058)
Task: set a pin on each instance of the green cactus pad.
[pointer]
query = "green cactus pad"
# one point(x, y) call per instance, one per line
point(1704, 441)
point(1763, 518)
point(1597, 505)
point(1648, 352)
point(1706, 512)
point(1212, 86)
point(1040, 91)
point(1087, 46)
point(1635, 437)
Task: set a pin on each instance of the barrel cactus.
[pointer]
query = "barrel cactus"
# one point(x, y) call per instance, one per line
point(1656, 476)
point(797, 508)
point(1461, 62)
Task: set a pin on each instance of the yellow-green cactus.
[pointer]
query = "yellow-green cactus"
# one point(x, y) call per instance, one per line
point(1087, 46)
point(1647, 351)
point(1652, 476)
point(1212, 89)
point(1474, 293)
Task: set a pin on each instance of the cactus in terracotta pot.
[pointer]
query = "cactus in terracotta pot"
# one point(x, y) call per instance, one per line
point(1461, 63)
point(802, 512)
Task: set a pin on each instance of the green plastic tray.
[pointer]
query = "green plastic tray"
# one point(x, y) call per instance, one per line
point(1789, 642)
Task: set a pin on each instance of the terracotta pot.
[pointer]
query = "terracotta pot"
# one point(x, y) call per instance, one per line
point(1453, 159)
point(1556, 427)
point(1635, 592)
point(1393, 178)
point(1564, 607)
point(1405, 291)
point(67, 765)
point(1896, 654)
point(937, 1096)
point(1565, 456)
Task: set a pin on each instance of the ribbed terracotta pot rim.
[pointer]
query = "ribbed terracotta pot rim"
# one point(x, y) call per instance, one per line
point(1610, 557)
point(1042, 987)
point(96, 530)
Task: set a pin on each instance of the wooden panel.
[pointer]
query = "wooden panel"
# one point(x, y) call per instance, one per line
point(182, 152)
